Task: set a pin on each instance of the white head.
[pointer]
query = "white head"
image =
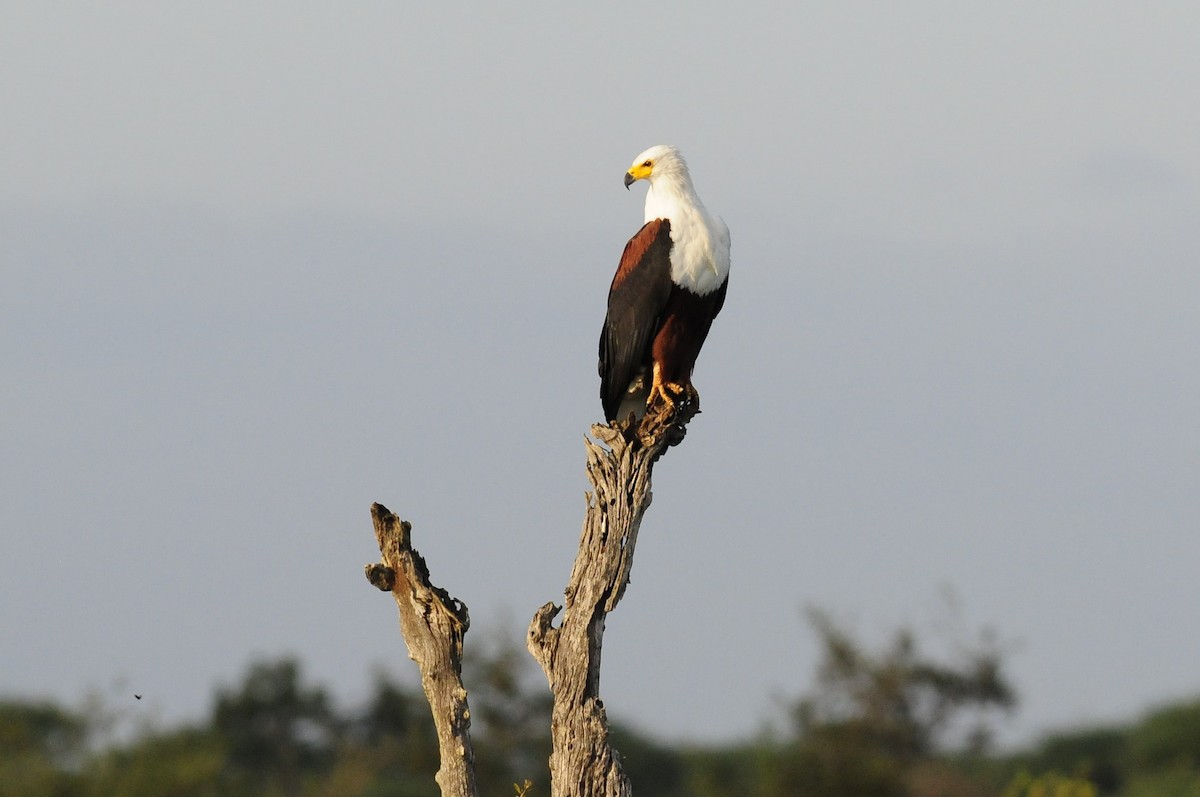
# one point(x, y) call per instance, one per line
point(662, 162)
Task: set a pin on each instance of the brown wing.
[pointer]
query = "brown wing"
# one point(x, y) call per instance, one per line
point(636, 300)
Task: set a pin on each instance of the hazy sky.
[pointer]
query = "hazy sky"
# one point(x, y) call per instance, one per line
point(263, 265)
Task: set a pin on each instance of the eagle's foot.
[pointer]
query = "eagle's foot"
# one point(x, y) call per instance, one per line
point(671, 393)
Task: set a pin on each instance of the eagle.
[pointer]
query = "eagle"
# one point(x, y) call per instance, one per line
point(669, 286)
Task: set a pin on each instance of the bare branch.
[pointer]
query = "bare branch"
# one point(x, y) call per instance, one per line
point(583, 763)
point(433, 624)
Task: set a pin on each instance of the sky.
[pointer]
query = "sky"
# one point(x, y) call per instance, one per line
point(264, 264)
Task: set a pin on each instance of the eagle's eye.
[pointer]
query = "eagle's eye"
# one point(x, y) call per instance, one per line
point(648, 164)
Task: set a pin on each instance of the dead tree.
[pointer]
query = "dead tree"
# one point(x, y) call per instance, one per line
point(582, 762)
point(433, 625)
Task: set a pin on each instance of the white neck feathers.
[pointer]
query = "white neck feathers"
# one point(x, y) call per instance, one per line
point(699, 241)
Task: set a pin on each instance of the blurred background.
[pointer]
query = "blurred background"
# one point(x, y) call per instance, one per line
point(264, 264)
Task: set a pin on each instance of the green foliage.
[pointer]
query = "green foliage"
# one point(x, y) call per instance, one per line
point(184, 763)
point(1168, 738)
point(876, 725)
point(41, 745)
point(840, 760)
point(275, 729)
point(1049, 785)
point(1099, 755)
point(731, 771)
point(394, 739)
point(653, 768)
point(1169, 783)
point(41, 729)
point(1159, 756)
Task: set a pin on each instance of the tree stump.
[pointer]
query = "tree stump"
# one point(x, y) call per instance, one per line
point(583, 763)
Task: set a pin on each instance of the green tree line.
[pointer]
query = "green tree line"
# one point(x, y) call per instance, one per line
point(877, 723)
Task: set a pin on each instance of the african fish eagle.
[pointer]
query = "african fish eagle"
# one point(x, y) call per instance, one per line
point(669, 286)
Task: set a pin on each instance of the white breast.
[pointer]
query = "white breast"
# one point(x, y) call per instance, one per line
point(699, 241)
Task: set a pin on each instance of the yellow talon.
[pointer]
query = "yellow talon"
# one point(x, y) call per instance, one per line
point(661, 392)
point(665, 390)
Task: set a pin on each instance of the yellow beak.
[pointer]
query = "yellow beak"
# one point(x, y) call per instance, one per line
point(635, 173)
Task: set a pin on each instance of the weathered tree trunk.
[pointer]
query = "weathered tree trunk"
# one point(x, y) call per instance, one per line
point(583, 763)
point(433, 624)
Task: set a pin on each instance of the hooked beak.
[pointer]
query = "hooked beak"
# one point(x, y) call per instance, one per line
point(638, 171)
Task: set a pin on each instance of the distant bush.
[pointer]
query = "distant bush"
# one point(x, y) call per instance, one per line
point(1050, 785)
point(1167, 738)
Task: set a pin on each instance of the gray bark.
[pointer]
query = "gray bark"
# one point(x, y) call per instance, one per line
point(582, 762)
point(433, 625)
